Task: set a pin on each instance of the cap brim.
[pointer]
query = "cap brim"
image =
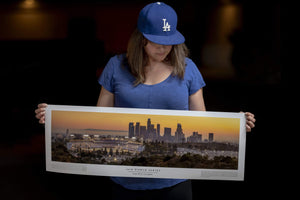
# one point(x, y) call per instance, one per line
point(174, 39)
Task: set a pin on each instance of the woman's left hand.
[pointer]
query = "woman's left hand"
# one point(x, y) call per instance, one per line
point(250, 121)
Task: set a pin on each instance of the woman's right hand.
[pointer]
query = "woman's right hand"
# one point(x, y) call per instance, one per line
point(40, 112)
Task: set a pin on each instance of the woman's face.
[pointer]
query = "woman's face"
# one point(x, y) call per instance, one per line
point(157, 52)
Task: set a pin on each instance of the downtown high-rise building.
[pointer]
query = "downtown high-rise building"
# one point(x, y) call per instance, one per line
point(137, 130)
point(167, 135)
point(158, 130)
point(179, 135)
point(195, 138)
point(210, 137)
point(143, 131)
point(131, 130)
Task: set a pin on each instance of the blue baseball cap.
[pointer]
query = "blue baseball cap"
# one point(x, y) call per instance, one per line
point(158, 22)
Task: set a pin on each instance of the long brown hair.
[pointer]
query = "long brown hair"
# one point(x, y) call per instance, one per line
point(137, 58)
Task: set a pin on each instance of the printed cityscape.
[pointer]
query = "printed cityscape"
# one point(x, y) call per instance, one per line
point(145, 145)
point(150, 133)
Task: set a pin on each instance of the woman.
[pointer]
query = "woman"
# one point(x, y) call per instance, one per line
point(155, 73)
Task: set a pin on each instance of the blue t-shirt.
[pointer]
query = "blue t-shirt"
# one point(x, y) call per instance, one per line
point(172, 93)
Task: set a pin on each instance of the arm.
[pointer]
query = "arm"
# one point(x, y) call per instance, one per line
point(106, 98)
point(196, 101)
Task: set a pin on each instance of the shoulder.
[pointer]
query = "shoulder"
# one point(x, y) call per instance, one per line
point(190, 68)
point(192, 72)
point(193, 77)
point(188, 60)
point(115, 62)
point(111, 71)
point(117, 59)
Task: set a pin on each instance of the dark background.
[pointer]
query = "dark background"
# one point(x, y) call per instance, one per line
point(53, 51)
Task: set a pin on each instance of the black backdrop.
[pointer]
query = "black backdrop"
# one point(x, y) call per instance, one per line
point(64, 71)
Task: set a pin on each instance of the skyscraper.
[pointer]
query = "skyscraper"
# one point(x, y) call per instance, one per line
point(158, 130)
point(210, 137)
point(148, 128)
point(143, 131)
point(137, 129)
point(195, 138)
point(179, 135)
point(148, 124)
point(131, 130)
point(67, 134)
point(167, 134)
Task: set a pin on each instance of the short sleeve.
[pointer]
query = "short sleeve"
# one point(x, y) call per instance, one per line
point(193, 76)
point(106, 79)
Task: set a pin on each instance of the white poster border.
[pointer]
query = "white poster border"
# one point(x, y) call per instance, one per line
point(143, 171)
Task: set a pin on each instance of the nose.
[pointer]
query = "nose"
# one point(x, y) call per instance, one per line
point(157, 46)
point(160, 46)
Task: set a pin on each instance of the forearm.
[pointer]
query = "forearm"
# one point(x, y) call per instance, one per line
point(196, 101)
point(106, 98)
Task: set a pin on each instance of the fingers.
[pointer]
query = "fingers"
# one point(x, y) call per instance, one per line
point(250, 121)
point(41, 108)
point(42, 105)
point(41, 117)
point(249, 114)
point(40, 112)
point(250, 117)
point(42, 120)
point(248, 128)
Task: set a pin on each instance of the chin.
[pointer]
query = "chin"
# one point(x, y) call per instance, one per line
point(160, 58)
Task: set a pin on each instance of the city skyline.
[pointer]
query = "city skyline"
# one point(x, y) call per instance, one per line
point(151, 132)
point(225, 129)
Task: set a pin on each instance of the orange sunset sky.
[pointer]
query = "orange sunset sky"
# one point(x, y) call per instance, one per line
point(223, 128)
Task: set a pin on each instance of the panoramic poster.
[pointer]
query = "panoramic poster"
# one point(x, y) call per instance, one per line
point(145, 143)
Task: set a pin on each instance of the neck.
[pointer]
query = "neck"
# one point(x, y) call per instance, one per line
point(152, 62)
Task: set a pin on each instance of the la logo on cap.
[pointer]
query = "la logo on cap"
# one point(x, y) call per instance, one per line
point(166, 26)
